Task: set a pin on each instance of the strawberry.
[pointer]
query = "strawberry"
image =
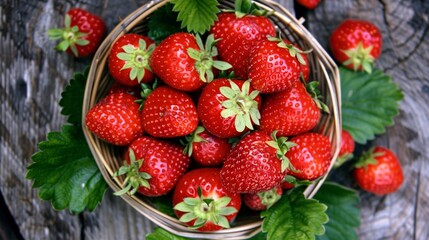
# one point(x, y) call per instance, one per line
point(347, 148)
point(378, 171)
point(201, 201)
point(82, 33)
point(169, 113)
point(115, 119)
point(310, 157)
point(263, 200)
point(309, 4)
point(356, 44)
point(184, 62)
point(207, 149)
point(274, 65)
point(227, 108)
point(257, 163)
point(132, 90)
point(152, 167)
point(238, 32)
point(129, 59)
point(293, 111)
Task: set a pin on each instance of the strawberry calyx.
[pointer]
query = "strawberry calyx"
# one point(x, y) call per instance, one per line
point(204, 62)
point(342, 159)
point(247, 7)
point(145, 92)
point(240, 104)
point(368, 157)
point(134, 178)
point(282, 146)
point(204, 210)
point(313, 89)
point(193, 138)
point(136, 59)
point(293, 51)
point(70, 36)
point(296, 182)
point(359, 57)
point(268, 198)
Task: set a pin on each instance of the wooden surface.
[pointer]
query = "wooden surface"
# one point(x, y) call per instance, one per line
point(33, 76)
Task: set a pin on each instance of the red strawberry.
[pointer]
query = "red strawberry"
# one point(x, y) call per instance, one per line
point(356, 44)
point(227, 108)
point(152, 167)
point(274, 65)
point(256, 163)
point(129, 59)
point(82, 34)
point(310, 157)
point(293, 111)
point(201, 201)
point(239, 32)
point(115, 119)
point(184, 62)
point(206, 149)
point(347, 148)
point(378, 171)
point(169, 113)
point(309, 4)
point(263, 200)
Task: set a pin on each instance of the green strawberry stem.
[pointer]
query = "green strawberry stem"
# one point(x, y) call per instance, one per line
point(367, 158)
point(136, 59)
point(360, 57)
point(69, 35)
point(134, 178)
point(247, 7)
point(268, 198)
point(204, 58)
point(193, 138)
point(297, 182)
point(313, 90)
point(293, 51)
point(240, 104)
point(145, 92)
point(342, 159)
point(204, 210)
point(282, 146)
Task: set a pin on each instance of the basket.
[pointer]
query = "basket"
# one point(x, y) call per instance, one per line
point(108, 157)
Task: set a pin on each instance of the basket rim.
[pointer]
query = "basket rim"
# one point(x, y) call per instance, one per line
point(323, 59)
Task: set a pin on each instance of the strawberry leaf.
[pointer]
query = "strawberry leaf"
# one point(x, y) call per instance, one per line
point(72, 97)
point(196, 16)
point(66, 173)
point(369, 103)
point(294, 217)
point(343, 211)
point(163, 22)
point(162, 234)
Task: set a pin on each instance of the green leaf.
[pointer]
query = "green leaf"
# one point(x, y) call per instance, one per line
point(196, 16)
point(343, 211)
point(294, 217)
point(72, 97)
point(164, 205)
point(259, 236)
point(161, 234)
point(369, 103)
point(163, 22)
point(66, 173)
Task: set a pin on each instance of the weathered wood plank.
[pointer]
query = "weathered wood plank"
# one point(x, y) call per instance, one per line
point(404, 26)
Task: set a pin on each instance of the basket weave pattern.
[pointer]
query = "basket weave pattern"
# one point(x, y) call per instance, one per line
point(108, 157)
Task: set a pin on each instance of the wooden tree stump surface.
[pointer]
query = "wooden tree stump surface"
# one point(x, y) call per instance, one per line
point(33, 75)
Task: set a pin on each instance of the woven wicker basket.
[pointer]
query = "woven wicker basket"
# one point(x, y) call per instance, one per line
point(108, 157)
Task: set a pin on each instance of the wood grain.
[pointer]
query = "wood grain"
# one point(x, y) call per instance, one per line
point(33, 75)
point(404, 26)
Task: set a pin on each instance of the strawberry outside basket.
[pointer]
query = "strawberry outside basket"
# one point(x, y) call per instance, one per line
point(109, 158)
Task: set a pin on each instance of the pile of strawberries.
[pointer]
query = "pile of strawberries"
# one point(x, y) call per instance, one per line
point(222, 121)
point(242, 104)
